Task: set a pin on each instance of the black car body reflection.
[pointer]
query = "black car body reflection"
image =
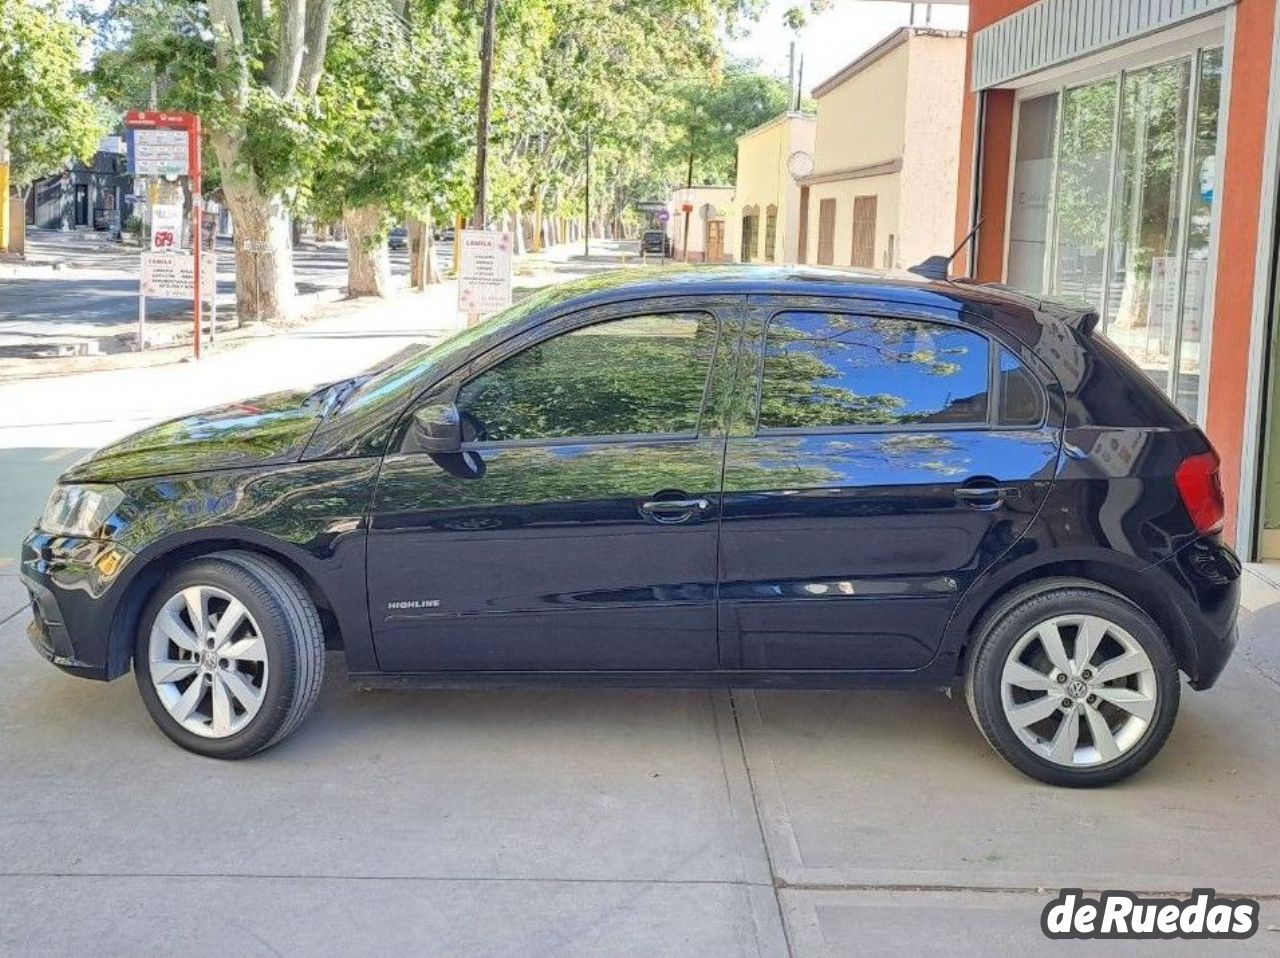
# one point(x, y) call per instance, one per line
point(702, 476)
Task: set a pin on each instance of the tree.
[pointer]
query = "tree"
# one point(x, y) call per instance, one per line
point(48, 114)
point(251, 70)
point(392, 126)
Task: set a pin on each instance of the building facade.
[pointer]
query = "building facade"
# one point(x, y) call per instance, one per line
point(698, 217)
point(84, 196)
point(1123, 153)
point(887, 140)
point(765, 223)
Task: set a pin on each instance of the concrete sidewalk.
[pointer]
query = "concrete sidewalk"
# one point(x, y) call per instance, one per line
point(605, 823)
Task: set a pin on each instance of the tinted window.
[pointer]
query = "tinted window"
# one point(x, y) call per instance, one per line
point(832, 370)
point(1021, 400)
point(636, 376)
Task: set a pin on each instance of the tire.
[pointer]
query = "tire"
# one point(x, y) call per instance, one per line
point(1024, 667)
point(261, 678)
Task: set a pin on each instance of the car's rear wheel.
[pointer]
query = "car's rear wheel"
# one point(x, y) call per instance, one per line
point(1073, 685)
point(230, 655)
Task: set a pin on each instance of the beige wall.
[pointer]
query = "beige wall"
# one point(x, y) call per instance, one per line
point(903, 108)
point(884, 188)
point(930, 159)
point(764, 180)
point(861, 121)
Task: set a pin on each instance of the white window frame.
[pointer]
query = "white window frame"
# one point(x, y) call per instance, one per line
point(1177, 43)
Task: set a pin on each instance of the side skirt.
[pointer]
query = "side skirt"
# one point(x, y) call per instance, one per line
point(368, 681)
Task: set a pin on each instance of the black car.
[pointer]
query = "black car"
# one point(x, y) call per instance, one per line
point(398, 238)
point(731, 477)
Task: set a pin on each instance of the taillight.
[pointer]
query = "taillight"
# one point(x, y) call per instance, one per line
point(1200, 487)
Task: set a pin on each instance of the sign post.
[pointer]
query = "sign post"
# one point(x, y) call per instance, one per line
point(484, 275)
point(168, 145)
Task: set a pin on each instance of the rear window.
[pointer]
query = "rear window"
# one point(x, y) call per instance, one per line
point(833, 370)
point(1021, 398)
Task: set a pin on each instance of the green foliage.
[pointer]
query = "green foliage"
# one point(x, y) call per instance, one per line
point(44, 94)
point(394, 115)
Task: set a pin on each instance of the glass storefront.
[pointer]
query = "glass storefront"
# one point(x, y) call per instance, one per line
point(1112, 206)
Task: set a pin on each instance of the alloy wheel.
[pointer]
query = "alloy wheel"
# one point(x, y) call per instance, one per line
point(1078, 690)
point(208, 661)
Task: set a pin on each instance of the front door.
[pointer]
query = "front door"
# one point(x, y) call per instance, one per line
point(887, 462)
point(578, 530)
point(715, 241)
point(82, 204)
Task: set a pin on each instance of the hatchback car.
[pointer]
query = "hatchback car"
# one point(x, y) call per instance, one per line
point(712, 476)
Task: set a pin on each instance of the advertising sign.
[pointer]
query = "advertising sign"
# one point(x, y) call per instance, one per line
point(173, 276)
point(166, 227)
point(159, 152)
point(484, 281)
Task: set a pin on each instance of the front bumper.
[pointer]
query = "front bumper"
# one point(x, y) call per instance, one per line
point(72, 586)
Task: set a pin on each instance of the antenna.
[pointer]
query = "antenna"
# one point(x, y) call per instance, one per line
point(939, 267)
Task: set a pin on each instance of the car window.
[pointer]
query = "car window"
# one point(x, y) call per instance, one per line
point(1021, 398)
point(642, 375)
point(831, 370)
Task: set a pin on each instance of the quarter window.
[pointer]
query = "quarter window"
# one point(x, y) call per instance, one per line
point(832, 370)
point(1021, 399)
point(642, 375)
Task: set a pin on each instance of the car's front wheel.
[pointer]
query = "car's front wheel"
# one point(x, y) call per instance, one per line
point(230, 655)
point(1073, 685)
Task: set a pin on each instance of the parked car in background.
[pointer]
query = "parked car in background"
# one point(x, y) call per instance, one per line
point(398, 238)
point(706, 477)
point(655, 243)
point(445, 235)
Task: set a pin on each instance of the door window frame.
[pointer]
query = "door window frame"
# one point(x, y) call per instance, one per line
point(723, 310)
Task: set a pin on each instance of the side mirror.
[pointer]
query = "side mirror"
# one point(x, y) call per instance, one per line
point(436, 428)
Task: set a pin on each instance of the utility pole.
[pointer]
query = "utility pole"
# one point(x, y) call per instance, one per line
point(800, 84)
point(482, 120)
point(586, 215)
point(688, 203)
point(5, 205)
point(791, 73)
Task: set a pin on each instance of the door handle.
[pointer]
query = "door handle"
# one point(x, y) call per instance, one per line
point(676, 505)
point(987, 493)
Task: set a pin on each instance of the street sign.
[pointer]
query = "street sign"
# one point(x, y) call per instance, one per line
point(484, 280)
point(173, 276)
point(159, 152)
point(166, 227)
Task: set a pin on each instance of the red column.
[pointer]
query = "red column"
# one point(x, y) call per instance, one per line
point(1239, 238)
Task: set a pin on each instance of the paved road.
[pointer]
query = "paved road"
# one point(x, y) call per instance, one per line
point(97, 293)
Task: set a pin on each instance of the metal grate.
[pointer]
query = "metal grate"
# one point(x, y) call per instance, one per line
point(1053, 32)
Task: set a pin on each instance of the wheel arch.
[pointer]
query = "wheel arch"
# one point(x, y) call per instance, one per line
point(1111, 572)
point(160, 561)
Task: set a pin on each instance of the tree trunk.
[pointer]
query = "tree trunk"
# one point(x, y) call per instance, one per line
point(535, 246)
point(517, 218)
point(264, 258)
point(368, 262)
point(423, 268)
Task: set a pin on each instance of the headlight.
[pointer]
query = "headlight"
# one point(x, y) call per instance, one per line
point(79, 510)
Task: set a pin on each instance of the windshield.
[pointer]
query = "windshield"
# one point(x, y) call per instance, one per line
point(400, 379)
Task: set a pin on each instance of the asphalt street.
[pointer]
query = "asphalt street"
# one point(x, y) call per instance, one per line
point(95, 294)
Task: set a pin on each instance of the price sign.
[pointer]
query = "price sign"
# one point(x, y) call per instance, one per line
point(166, 227)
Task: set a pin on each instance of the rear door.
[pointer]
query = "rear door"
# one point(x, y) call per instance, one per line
point(888, 456)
